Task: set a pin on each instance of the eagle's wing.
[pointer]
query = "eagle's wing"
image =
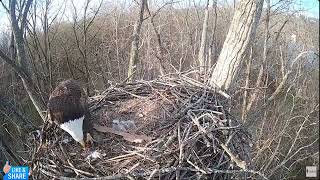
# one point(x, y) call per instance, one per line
point(55, 109)
point(65, 102)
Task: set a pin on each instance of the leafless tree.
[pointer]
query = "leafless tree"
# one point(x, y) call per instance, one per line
point(135, 42)
point(18, 18)
point(203, 45)
point(160, 47)
point(82, 41)
point(259, 81)
point(213, 44)
point(40, 37)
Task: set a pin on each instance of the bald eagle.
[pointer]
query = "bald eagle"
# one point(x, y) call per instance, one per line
point(68, 110)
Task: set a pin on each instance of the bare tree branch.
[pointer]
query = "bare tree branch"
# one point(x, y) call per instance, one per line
point(16, 68)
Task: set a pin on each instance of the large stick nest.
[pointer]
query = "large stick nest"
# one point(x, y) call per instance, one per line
point(191, 134)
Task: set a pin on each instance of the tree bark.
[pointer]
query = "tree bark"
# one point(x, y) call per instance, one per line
point(212, 52)
point(241, 32)
point(135, 43)
point(259, 81)
point(246, 86)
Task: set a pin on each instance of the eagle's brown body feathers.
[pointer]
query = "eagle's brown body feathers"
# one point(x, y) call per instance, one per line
point(66, 104)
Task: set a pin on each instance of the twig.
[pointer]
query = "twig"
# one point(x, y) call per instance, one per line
point(240, 163)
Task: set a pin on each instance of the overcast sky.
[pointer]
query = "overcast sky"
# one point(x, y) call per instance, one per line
point(311, 7)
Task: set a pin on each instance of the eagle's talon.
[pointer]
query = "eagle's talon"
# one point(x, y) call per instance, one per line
point(83, 145)
point(89, 139)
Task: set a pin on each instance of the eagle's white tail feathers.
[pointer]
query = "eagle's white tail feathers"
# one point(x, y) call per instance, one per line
point(74, 128)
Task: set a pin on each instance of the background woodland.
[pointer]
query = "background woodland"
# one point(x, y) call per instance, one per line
point(276, 91)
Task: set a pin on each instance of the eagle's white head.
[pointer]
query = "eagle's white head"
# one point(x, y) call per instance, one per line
point(74, 128)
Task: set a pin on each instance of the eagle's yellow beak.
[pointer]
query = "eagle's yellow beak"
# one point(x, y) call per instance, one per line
point(82, 144)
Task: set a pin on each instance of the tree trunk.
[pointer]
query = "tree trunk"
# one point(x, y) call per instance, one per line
point(241, 32)
point(212, 52)
point(135, 43)
point(202, 50)
point(261, 73)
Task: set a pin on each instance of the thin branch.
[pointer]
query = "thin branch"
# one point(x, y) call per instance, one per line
point(25, 15)
point(16, 68)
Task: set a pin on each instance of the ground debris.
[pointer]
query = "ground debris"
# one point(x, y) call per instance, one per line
point(191, 135)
